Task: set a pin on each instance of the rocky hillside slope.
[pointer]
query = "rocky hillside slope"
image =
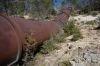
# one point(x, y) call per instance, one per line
point(83, 52)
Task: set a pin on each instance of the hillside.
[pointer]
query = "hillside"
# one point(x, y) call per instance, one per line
point(83, 52)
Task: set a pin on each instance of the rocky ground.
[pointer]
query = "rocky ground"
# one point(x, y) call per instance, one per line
point(84, 52)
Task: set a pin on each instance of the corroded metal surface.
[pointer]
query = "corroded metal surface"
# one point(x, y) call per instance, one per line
point(42, 29)
point(10, 41)
point(13, 30)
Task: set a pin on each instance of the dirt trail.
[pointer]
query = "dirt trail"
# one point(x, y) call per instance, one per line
point(84, 52)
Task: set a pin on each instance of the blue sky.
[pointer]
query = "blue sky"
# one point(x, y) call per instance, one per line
point(58, 3)
point(82, 3)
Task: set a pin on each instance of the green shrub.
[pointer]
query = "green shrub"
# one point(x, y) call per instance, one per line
point(51, 44)
point(68, 29)
point(86, 9)
point(48, 46)
point(28, 51)
point(74, 14)
point(93, 13)
point(76, 36)
point(90, 22)
point(71, 29)
point(66, 63)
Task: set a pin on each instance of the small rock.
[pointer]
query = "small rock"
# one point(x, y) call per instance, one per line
point(92, 58)
point(87, 57)
point(70, 37)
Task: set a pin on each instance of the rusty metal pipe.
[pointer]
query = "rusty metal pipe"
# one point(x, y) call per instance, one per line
point(10, 41)
point(13, 29)
point(42, 29)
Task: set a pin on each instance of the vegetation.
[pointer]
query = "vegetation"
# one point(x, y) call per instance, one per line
point(74, 14)
point(91, 22)
point(93, 6)
point(66, 63)
point(37, 8)
point(51, 44)
point(28, 53)
point(48, 45)
point(86, 9)
point(94, 13)
point(40, 9)
point(71, 29)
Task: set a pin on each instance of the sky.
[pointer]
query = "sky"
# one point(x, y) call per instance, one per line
point(81, 3)
point(58, 3)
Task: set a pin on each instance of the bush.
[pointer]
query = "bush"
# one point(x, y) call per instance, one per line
point(76, 36)
point(28, 48)
point(66, 63)
point(86, 9)
point(91, 22)
point(51, 44)
point(28, 51)
point(71, 29)
point(48, 46)
point(74, 14)
point(94, 13)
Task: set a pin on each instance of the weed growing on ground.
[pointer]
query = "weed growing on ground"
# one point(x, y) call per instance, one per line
point(74, 14)
point(28, 48)
point(93, 13)
point(71, 29)
point(66, 63)
point(91, 22)
point(28, 51)
point(51, 44)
